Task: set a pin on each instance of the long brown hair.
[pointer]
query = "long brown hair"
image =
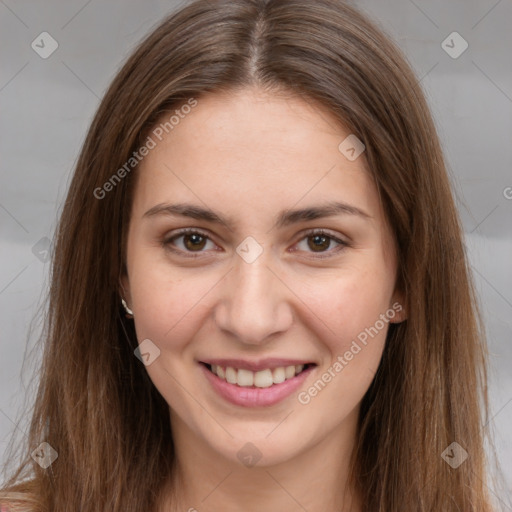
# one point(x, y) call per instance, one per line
point(96, 405)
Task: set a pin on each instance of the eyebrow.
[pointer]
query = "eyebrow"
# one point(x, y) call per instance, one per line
point(285, 217)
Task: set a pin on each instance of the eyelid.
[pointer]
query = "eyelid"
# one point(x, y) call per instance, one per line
point(166, 242)
point(342, 244)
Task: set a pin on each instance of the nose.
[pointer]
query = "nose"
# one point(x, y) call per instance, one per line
point(255, 302)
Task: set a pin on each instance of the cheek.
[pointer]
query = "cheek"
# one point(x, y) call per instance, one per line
point(355, 311)
point(168, 302)
point(350, 301)
point(350, 315)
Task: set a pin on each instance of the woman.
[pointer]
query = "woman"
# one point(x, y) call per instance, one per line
point(322, 350)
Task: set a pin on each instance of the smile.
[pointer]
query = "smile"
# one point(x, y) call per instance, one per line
point(256, 389)
point(261, 379)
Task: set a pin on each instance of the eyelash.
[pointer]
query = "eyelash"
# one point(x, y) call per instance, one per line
point(167, 242)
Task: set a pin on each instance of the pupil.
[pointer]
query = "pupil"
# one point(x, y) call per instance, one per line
point(320, 238)
point(196, 238)
point(195, 241)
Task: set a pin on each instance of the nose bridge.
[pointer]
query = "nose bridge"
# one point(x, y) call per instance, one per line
point(254, 304)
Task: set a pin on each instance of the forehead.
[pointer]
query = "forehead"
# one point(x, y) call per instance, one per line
point(249, 151)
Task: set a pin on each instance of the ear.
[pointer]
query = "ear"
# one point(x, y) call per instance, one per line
point(124, 289)
point(397, 305)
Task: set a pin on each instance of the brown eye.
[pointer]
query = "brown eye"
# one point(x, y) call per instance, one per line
point(319, 242)
point(194, 241)
point(186, 242)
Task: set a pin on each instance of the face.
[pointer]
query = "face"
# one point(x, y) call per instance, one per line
point(255, 283)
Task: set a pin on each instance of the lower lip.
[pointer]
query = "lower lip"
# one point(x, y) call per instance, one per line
point(255, 397)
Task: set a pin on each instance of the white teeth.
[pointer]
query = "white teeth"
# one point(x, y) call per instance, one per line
point(245, 378)
point(278, 375)
point(261, 379)
point(289, 372)
point(231, 375)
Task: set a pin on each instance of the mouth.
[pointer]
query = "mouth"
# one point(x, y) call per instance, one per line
point(260, 379)
point(263, 388)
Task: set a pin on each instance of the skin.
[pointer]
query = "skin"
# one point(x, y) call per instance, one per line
point(248, 155)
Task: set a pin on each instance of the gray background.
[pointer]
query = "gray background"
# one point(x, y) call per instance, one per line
point(47, 105)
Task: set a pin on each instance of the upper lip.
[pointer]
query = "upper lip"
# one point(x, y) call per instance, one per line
point(255, 366)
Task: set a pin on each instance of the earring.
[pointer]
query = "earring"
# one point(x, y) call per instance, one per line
point(127, 309)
